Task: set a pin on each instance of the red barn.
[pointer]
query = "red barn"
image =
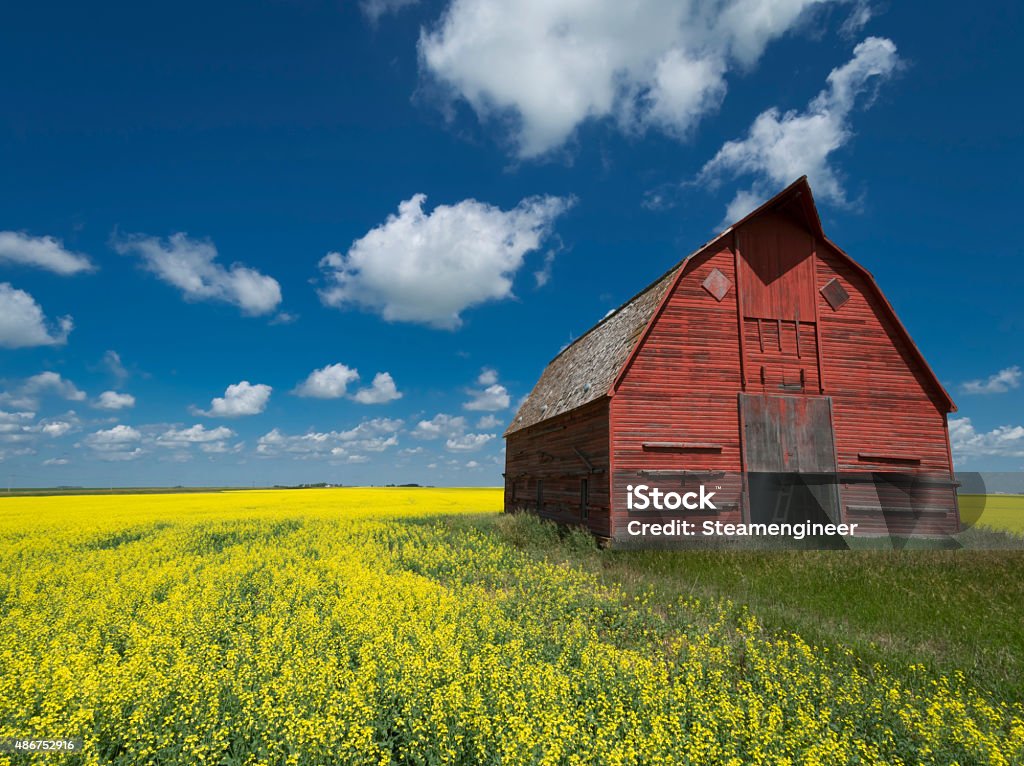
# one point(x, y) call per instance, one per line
point(768, 357)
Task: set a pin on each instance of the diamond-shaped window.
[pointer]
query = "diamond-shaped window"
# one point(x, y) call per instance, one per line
point(717, 284)
point(835, 294)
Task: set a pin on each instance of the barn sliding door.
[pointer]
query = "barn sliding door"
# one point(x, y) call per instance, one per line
point(789, 455)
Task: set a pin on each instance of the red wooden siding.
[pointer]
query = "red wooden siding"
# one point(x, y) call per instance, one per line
point(681, 387)
point(781, 355)
point(887, 415)
point(561, 452)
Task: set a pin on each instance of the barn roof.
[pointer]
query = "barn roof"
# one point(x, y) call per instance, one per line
point(588, 368)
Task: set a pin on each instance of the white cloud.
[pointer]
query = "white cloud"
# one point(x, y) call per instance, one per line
point(491, 399)
point(219, 447)
point(783, 146)
point(15, 427)
point(374, 435)
point(191, 266)
point(174, 438)
point(374, 9)
point(328, 382)
point(43, 252)
point(243, 398)
point(112, 361)
point(860, 15)
point(438, 426)
point(23, 324)
point(115, 444)
point(112, 400)
point(467, 442)
point(1003, 441)
point(118, 435)
point(14, 418)
point(332, 381)
point(1000, 383)
point(544, 67)
point(430, 267)
point(52, 382)
point(489, 421)
point(381, 391)
point(543, 275)
point(55, 428)
point(56, 461)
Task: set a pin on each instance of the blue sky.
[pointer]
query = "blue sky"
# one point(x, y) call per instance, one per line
point(335, 241)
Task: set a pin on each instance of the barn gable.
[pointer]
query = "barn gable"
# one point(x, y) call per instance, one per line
point(593, 365)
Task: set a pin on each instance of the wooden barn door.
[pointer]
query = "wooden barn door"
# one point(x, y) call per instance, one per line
point(789, 458)
point(775, 265)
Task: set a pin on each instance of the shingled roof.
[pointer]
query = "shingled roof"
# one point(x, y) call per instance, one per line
point(586, 369)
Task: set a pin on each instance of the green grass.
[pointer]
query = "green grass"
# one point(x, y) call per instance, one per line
point(947, 609)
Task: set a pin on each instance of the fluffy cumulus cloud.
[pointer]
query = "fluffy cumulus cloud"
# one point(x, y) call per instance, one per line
point(23, 323)
point(429, 267)
point(439, 426)
point(381, 391)
point(1000, 383)
point(23, 432)
point(543, 67)
point(120, 443)
point(112, 400)
point(492, 397)
point(15, 428)
point(967, 442)
point(376, 435)
point(212, 440)
point(239, 399)
point(31, 390)
point(54, 427)
point(468, 442)
point(781, 146)
point(41, 252)
point(330, 382)
point(453, 429)
point(191, 266)
point(489, 421)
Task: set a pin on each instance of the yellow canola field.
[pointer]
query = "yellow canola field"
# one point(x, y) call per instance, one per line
point(1002, 513)
point(384, 626)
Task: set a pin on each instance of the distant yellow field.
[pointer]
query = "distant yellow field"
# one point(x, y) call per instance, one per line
point(1004, 513)
point(79, 513)
point(386, 626)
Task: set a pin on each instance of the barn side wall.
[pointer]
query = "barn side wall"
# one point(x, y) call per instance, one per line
point(887, 417)
point(561, 453)
point(676, 406)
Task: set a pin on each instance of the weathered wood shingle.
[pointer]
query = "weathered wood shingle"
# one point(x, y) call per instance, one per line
point(586, 369)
